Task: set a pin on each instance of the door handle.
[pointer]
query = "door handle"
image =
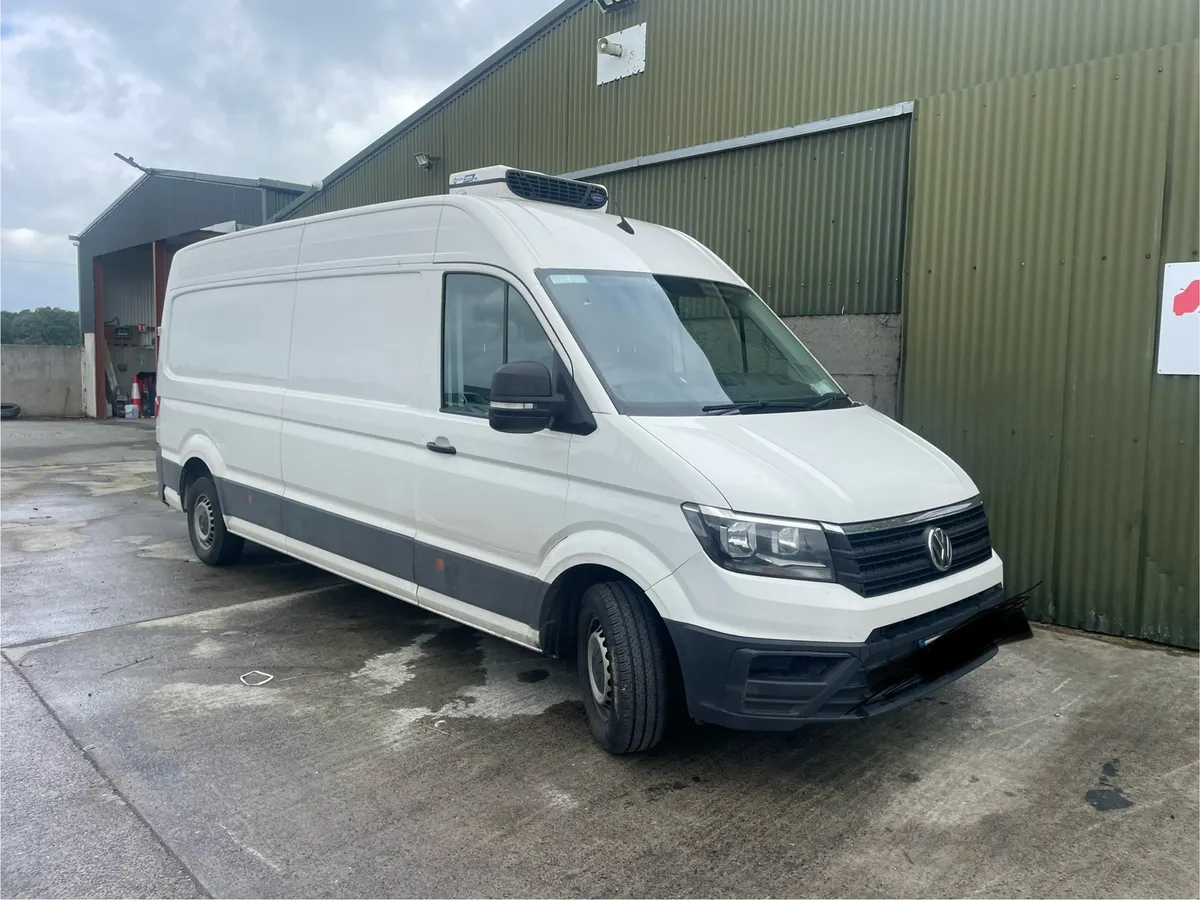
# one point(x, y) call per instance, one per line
point(441, 445)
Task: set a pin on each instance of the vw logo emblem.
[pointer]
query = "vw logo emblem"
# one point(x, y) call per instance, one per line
point(937, 542)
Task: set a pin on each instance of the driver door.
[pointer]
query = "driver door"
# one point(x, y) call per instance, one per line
point(489, 505)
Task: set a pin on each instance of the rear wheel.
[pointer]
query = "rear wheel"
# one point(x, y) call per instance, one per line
point(211, 540)
point(623, 668)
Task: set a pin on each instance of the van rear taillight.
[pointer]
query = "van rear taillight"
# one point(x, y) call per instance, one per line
point(157, 405)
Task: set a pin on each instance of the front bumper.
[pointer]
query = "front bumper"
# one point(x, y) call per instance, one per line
point(766, 685)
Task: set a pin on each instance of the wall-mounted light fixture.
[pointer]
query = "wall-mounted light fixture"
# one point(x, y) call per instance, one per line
point(621, 54)
point(608, 48)
point(425, 161)
point(609, 5)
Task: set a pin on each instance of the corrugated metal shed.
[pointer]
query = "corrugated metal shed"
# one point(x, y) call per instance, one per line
point(164, 203)
point(1170, 549)
point(1044, 208)
point(724, 69)
point(128, 288)
point(1050, 171)
point(820, 219)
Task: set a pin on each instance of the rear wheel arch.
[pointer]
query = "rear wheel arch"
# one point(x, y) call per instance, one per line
point(214, 544)
point(193, 469)
point(198, 456)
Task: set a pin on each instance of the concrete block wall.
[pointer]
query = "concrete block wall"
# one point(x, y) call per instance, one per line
point(43, 380)
point(861, 352)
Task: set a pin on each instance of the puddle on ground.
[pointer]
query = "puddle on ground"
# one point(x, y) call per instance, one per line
point(384, 673)
point(42, 538)
point(1106, 796)
point(502, 688)
point(98, 480)
point(112, 478)
point(178, 550)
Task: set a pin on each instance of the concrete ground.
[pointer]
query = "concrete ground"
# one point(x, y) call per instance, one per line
point(395, 754)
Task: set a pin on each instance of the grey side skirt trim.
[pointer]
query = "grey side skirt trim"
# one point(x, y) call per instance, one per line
point(365, 544)
point(169, 475)
point(488, 587)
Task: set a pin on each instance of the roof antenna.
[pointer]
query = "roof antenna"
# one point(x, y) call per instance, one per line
point(623, 224)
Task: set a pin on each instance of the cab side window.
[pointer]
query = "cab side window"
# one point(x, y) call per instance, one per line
point(485, 323)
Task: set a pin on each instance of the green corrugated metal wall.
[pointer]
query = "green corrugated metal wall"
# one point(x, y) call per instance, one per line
point(1043, 210)
point(724, 68)
point(819, 219)
point(1054, 170)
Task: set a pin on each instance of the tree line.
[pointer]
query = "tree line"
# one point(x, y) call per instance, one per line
point(44, 325)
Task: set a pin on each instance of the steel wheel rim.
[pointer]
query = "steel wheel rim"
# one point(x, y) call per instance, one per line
point(599, 667)
point(205, 522)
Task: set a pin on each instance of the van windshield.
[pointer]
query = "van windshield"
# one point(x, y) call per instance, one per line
point(672, 346)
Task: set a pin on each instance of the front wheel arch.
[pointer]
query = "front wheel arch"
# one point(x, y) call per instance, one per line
point(560, 600)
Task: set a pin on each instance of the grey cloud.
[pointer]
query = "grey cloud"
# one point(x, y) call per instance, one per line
point(274, 88)
point(58, 79)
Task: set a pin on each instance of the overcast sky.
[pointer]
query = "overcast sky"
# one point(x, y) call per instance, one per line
point(286, 89)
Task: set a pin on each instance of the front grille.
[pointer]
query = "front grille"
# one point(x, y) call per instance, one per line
point(564, 191)
point(872, 561)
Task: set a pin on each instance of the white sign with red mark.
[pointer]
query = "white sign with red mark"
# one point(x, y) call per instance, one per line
point(1179, 324)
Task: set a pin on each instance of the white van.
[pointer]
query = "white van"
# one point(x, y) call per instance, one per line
point(584, 435)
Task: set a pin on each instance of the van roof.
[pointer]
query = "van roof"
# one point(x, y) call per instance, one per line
point(445, 229)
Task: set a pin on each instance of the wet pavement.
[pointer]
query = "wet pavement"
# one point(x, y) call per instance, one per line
point(397, 754)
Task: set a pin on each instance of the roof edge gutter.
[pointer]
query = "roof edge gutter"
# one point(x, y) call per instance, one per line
point(835, 123)
point(259, 184)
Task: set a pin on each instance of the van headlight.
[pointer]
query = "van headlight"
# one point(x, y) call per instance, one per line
point(757, 545)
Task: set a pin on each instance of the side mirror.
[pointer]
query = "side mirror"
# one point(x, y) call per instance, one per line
point(523, 399)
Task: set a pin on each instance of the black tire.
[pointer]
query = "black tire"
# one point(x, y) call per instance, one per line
point(211, 540)
point(9, 410)
point(629, 646)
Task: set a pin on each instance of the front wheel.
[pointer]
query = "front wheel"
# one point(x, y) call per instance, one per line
point(211, 540)
point(623, 668)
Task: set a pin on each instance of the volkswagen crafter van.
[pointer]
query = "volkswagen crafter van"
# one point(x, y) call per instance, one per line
point(584, 435)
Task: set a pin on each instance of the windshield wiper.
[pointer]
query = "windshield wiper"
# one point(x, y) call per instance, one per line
point(722, 408)
point(829, 401)
point(825, 401)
